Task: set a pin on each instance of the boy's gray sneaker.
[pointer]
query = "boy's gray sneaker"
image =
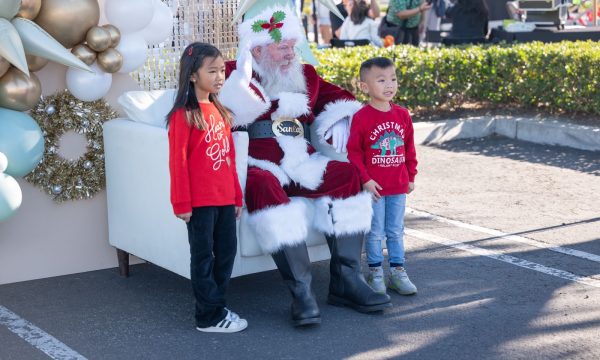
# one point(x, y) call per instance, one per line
point(400, 282)
point(375, 279)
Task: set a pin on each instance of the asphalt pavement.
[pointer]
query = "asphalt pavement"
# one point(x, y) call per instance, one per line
point(503, 243)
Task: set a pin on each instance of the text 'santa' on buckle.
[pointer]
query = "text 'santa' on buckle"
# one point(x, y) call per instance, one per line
point(288, 127)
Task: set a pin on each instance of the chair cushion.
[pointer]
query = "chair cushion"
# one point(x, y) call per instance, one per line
point(148, 107)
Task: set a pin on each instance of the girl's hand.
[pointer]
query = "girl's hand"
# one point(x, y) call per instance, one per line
point(185, 217)
point(411, 187)
point(372, 186)
point(238, 212)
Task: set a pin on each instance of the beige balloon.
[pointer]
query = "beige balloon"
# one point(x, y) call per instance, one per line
point(35, 63)
point(4, 66)
point(68, 21)
point(19, 92)
point(115, 34)
point(29, 9)
point(84, 53)
point(98, 39)
point(110, 60)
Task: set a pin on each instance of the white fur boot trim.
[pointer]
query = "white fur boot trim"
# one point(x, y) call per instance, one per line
point(291, 105)
point(343, 216)
point(298, 165)
point(272, 168)
point(278, 226)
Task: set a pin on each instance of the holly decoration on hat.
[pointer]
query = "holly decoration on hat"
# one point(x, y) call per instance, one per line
point(272, 26)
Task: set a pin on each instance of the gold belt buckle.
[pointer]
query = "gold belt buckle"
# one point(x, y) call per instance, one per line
point(287, 126)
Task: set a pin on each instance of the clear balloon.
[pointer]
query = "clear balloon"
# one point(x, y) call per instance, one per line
point(129, 16)
point(10, 196)
point(134, 50)
point(3, 162)
point(21, 141)
point(88, 86)
point(161, 26)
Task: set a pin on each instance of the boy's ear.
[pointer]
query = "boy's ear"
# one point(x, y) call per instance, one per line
point(363, 87)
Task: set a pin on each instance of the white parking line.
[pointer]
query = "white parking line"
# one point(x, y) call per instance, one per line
point(503, 257)
point(502, 235)
point(36, 336)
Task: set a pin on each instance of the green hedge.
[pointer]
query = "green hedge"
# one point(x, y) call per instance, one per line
point(559, 76)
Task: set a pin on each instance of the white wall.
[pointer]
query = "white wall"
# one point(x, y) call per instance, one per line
point(46, 239)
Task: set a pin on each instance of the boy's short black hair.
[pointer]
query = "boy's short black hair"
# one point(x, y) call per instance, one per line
point(379, 62)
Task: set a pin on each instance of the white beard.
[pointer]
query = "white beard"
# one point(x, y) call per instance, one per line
point(275, 81)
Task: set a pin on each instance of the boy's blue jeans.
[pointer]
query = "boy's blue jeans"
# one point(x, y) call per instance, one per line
point(387, 223)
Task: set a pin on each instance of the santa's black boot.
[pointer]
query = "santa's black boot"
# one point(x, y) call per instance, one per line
point(347, 286)
point(294, 265)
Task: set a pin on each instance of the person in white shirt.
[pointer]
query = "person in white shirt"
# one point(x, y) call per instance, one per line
point(359, 26)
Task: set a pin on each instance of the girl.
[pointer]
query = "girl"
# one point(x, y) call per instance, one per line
point(359, 26)
point(205, 191)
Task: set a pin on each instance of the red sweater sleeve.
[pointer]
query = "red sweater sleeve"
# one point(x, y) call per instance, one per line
point(409, 150)
point(236, 180)
point(356, 152)
point(179, 136)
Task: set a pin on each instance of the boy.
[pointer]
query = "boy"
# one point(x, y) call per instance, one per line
point(381, 146)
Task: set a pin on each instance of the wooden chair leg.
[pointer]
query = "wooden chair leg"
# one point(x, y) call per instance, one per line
point(123, 258)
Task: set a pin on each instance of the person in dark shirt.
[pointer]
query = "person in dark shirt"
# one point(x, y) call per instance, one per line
point(469, 20)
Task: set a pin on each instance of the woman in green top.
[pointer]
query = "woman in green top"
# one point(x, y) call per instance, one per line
point(408, 15)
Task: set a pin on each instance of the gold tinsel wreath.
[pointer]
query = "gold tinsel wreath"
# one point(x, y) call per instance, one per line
point(61, 178)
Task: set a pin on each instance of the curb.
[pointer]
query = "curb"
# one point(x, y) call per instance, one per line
point(547, 132)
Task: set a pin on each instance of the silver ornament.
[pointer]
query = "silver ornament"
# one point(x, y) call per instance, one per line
point(50, 109)
point(56, 189)
point(52, 150)
point(87, 165)
point(85, 124)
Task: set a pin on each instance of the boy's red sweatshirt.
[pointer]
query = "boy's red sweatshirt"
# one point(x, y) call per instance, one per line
point(381, 146)
point(202, 162)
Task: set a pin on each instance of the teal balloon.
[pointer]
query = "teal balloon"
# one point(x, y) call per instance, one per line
point(10, 196)
point(21, 140)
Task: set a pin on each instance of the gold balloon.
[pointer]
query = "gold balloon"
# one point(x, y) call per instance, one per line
point(110, 60)
point(29, 9)
point(35, 63)
point(115, 34)
point(68, 21)
point(98, 39)
point(84, 53)
point(4, 66)
point(19, 92)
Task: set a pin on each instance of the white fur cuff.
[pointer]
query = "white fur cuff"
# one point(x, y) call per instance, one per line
point(242, 101)
point(344, 216)
point(333, 113)
point(278, 226)
point(291, 105)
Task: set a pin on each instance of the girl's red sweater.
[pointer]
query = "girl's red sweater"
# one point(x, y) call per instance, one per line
point(202, 162)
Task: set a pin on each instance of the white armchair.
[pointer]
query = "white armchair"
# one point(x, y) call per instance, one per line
point(140, 217)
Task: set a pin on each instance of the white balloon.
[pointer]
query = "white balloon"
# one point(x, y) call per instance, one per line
point(3, 162)
point(10, 196)
point(134, 50)
point(161, 26)
point(88, 86)
point(129, 15)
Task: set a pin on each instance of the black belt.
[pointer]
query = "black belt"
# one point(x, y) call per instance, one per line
point(264, 129)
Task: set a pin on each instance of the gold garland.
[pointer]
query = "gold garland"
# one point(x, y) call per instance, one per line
point(66, 179)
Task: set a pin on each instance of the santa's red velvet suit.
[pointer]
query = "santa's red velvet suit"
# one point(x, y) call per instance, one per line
point(284, 166)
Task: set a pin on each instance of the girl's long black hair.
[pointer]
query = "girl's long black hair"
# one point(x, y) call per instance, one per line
point(192, 59)
point(360, 11)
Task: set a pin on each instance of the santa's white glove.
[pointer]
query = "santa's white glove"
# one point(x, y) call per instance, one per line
point(244, 64)
point(339, 133)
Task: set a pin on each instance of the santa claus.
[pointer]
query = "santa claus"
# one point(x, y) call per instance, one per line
point(276, 98)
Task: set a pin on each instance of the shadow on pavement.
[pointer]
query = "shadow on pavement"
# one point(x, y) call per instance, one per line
point(499, 146)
